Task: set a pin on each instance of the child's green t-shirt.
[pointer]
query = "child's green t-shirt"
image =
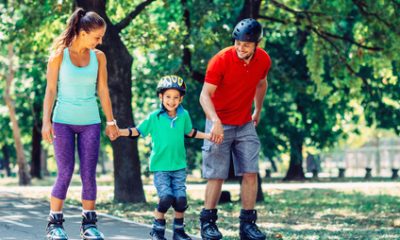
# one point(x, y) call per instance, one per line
point(168, 139)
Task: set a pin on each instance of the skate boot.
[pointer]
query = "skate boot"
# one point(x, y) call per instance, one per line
point(248, 228)
point(55, 229)
point(158, 231)
point(89, 228)
point(179, 230)
point(209, 229)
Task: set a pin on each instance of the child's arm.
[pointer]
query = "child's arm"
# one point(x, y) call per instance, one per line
point(126, 132)
point(198, 134)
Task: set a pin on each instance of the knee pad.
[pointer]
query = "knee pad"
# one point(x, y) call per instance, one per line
point(165, 203)
point(180, 204)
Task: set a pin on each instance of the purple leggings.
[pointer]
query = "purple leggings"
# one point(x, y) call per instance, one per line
point(88, 141)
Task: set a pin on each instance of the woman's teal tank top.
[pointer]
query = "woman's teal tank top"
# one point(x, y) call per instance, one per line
point(76, 96)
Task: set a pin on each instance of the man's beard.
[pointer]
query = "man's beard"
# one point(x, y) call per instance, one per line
point(246, 57)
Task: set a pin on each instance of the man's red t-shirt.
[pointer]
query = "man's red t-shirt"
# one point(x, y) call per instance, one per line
point(236, 83)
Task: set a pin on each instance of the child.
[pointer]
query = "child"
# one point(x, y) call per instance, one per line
point(168, 126)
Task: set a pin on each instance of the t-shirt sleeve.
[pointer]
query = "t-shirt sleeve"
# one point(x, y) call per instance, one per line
point(214, 73)
point(144, 127)
point(188, 123)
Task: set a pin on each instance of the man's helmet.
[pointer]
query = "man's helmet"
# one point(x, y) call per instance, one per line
point(171, 82)
point(248, 30)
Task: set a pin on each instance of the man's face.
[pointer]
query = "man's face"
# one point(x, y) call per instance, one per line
point(245, 50)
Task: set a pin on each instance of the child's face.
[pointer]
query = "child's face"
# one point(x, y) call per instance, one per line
point(171, 99)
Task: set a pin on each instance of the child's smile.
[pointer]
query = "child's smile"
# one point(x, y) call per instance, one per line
point(171, 100)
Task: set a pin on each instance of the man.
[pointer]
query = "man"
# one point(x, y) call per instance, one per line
point(235, 77)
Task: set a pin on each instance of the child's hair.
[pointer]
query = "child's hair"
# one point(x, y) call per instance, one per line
point(79, 20)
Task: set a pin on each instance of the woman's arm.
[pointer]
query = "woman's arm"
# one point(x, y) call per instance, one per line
point(103, 92)
point(53, 67)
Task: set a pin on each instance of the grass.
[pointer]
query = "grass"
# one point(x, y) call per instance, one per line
point(304, 214)
point(300, 214)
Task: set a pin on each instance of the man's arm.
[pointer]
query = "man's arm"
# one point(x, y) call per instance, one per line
point(261, 90)
point(217, 131)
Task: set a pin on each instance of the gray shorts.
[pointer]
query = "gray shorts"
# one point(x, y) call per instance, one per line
point(240, 142)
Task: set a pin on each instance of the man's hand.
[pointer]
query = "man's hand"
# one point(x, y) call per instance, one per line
point(217, 132)
point(256, 118)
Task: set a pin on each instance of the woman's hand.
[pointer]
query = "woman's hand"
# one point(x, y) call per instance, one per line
point(47, 132)
point(112, 131)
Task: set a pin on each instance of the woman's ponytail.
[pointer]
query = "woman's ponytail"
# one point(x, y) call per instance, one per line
point(79, 20)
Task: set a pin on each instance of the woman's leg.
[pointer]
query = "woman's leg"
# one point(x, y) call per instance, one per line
point(88, 149)
point(64, 150)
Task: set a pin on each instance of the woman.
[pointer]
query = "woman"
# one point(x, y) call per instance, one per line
point(74, 70)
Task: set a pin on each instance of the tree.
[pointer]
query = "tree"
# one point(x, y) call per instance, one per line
point(338, 54)
point(127, 174)
point(23, 170)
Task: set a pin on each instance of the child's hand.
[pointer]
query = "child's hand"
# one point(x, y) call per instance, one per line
point(207, 136)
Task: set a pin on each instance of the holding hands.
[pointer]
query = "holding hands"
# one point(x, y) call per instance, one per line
point(112, 130)
point(217, 132)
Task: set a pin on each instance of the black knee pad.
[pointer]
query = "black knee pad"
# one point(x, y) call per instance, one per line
point(165, 203)
point(180, 204)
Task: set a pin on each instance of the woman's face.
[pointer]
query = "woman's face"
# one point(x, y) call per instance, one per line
point(93, 38)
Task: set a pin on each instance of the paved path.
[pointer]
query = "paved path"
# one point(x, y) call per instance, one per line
point(25, 219)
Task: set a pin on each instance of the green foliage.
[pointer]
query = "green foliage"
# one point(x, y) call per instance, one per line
point(330, 59)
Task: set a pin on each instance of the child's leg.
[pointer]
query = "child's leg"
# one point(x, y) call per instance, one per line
point(178, 184)
point(162, 182)
point(180, 204)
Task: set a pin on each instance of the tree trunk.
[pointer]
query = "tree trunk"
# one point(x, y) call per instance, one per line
point(23, 168)
point(186, 67)
point(36, 151)
point(43, 160)
point(36, 168)
point(295, 171)
point(251, 9)
point(127, 174)
point(6, 159)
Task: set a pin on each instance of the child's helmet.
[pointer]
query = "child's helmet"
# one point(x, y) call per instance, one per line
point(248, 30)
point(171, 82)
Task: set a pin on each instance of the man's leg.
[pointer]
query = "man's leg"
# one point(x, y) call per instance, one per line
point(213, 192)
point(245, 155)
point(249, 191)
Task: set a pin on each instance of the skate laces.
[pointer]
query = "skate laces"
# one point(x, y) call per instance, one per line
point(91, 232)
point(57, 233)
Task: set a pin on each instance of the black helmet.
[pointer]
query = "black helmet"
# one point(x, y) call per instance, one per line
point(171, 82)
point(248, 30)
